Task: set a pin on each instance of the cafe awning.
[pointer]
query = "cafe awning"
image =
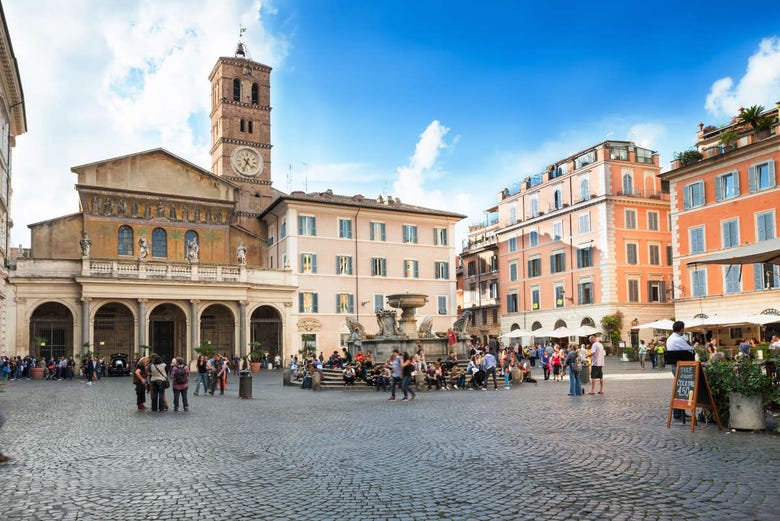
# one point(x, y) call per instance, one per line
point(767, 252)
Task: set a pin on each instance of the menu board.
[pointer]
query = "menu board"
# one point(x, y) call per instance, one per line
point(691, 391)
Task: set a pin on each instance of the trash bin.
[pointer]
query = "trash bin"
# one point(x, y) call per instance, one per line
point(245, 384)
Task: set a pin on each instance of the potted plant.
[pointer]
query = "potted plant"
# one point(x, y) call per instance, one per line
point(688, 157)
point(37, 372)
point(206, 348)
point(255, 356)
point(729, 140)
point(741, 392)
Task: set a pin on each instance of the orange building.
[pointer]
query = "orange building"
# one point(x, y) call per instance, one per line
point(727, 198)
point(586, 238)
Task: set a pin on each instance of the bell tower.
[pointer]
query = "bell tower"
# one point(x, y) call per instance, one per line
point(241, 131)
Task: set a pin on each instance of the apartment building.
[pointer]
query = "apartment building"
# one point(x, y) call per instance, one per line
point(347, 253)
point(479, 285)
point(586, 238)
point(725, 199)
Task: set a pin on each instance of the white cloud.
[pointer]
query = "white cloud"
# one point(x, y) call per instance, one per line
point(759, 86)
point(647, 135)
point(410, 184)
point(102, 80)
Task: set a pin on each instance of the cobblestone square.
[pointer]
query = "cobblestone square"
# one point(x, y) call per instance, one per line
point(84, 452)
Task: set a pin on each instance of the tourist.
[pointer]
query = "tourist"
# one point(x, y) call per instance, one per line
point(394, 363)
point(546, 367)
point(642, 353)
point(158, 377)
point(139, 380)
point(660, 348)
point(203, 374)
point(574, 363)
point(489, 365)
point(181, 381)
point(349, 375)
point(744, 349)
point(557, 361)
point(651, 353)
point(597, 356)
point(406, 370)
point(774, 346)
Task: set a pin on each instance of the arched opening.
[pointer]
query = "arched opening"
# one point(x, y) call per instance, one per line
point(514, 327)
point(114, 330)
point(628, 184)
point(265, 327)
point(168, 332)
point(535, 326)
point(236, 89)
point(159, 243)
point(52, 324)
point(255, 94)
point(560, 323)
point(587, 321)
point(217, 325)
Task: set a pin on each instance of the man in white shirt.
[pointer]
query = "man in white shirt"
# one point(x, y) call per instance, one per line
point(597, 355)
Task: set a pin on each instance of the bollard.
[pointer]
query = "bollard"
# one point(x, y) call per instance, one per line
point(245, 384)
point(316, 381)
point(287, 377)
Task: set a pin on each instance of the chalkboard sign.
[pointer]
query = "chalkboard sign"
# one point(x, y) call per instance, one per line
point(691, 391)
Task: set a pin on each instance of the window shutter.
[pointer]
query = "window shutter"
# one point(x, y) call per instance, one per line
point(579, 294)
point(351, 303)
point(314, 263)
point(314, 226)
point(736, 182)
point(752, 181)
point(416, 272)
point(349, 265)
point(314, 302)
point(771, 167)
point(649, 291)
point(687, 196)
point(384, 266)
point(758, 276)
point(300, 302)
point(302, 265)
point(447, 270)
point(338, 265)
point(552, 263)
point(300, 225)
point(719, 188)
point(371, 235)
point(338, 302)
point(762, 228)
point(563, 261)
point(662, 290)
point(776, 276)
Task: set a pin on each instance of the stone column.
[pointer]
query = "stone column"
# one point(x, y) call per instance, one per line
point(85, 329)
point(194, 328)
point(143, 325)
point(243, 344)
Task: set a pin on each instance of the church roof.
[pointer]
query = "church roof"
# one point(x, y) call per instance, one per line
point(389, 203)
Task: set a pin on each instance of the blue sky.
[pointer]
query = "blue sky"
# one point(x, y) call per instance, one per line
point(439, 103)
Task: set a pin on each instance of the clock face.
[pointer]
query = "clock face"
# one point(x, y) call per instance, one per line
point(246, 161)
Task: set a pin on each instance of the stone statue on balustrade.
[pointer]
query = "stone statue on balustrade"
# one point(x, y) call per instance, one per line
point(86, 244)
point(241, 254)
point(192, 251)
point(143, 248)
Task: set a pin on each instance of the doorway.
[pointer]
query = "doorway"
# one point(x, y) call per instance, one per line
point(163, 338)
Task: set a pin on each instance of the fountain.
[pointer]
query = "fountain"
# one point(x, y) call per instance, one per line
point(407, 303)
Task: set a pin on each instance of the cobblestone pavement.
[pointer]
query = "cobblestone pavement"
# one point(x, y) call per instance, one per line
point(84, 452)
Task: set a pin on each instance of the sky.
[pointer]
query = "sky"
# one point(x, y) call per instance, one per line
point(439, 103)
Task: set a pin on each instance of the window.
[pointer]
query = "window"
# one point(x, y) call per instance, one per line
point(250, 125)
point(345, 303)
point(377, 231)
point(255, 94)
point(308, 263)
point(307, 302)
point(697, 239)
point(584, 223)
point(765, 224)
point(190, 236)
point(761, 176)
point(378, 267)
point(644, 156)
point(511, 303)
point(585, 257)
point(693, 195)
point(534, 205)
point(726, 186)
point(307, 225)
point(440, 236)
point(125, 240)
point(472, 268)
point(559, 294)
point(557, 262)
point(534, 267)
point(344, 264)
point(533, 238)
point(766, 276)
point(379, 302)
point(699, 283)
point(159, 243)
point(652, 221)
point(283, 229)
point(495, 316)
point(558, 199)
point(631, 219)
point(669, 257)
point(345, 228)
point(442, 304)
point(441, 270)
point(513, 271)
point(493, 263)
point(241, 125)
point(512, 214)
point(410, 269)
point(269, 241)
point(656, 291)
point(585, 189)
point(557, 230)
point(536, 298)
point(494, 290)
point(731, 275)
point(628, 184)
point(655, 254)
point(236, 90)
point(631, 253)
point(633, 290)
point(618, 153)
point(410, 233)
point(585, 293)
point(730, 233)
point(512, 244)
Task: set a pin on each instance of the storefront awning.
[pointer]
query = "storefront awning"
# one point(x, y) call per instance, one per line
point(767, 252)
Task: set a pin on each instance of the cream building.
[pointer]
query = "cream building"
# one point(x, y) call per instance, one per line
point(13, 122)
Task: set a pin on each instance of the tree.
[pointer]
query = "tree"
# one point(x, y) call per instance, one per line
point(613, 325)
point(752, 116)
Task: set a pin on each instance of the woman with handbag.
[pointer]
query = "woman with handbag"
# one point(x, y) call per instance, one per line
point(159, 382)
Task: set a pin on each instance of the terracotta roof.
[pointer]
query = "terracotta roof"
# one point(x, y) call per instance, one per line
point(389, 203)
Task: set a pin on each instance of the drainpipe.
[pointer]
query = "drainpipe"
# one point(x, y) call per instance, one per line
point(355, 265)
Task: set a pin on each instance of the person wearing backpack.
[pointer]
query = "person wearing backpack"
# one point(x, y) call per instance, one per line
point(181, 381)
